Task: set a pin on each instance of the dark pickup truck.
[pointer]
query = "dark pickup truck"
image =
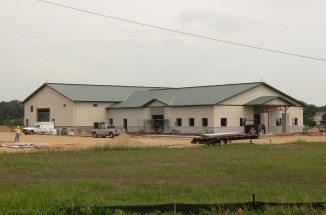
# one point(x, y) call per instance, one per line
point(254, 129)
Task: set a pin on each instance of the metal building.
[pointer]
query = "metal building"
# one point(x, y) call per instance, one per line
point(219, 108)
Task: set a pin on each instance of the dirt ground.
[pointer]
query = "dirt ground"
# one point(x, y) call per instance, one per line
point(80, 142)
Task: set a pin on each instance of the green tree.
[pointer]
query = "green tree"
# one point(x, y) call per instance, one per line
point(11, 113)
point(310, 110)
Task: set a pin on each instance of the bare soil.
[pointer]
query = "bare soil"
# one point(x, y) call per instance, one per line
point(126, 140)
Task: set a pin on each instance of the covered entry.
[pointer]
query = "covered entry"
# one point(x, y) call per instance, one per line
point(157, 121)
point(271, 111)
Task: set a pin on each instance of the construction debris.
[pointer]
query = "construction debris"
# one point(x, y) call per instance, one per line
point(21, 145)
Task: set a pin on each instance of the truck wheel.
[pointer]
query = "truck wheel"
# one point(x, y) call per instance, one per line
point(31, 132)
point(111, 135)
point(94, 135)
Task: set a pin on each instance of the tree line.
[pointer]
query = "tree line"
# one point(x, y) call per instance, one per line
point(12, 113)
point(309, 111)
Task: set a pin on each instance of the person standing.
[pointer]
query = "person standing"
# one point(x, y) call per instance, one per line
point(17, 135)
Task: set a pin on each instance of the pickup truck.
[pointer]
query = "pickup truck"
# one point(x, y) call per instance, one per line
point(107, 130)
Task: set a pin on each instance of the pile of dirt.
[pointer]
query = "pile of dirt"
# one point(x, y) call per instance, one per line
point(4, 129)
point(125, 140)
point(313, 131)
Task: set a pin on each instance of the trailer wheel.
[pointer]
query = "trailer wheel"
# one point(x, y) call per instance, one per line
point(222, 142)
point(228, 142)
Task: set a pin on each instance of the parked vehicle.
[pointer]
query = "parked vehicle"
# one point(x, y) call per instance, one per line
point(222, 138)
point(254, 129)
point(107, 130)
point(40, 128)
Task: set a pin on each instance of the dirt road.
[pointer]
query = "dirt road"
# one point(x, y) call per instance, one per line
point(75, 142)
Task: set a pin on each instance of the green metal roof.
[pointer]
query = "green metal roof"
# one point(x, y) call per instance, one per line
point(96, 93)
point(265, 99)
point(136, 96)
point(189, 96)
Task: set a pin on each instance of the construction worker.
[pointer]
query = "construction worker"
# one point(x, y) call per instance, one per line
point(17, 135)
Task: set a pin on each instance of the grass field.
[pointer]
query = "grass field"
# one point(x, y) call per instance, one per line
point(44, 181)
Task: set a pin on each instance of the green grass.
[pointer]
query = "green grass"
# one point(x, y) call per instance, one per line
point(44, 181)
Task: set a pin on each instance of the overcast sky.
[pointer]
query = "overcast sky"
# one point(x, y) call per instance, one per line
point(40, 42)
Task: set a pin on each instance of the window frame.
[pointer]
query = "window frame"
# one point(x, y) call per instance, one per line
point(204, 122)
point(191, 122)
point(224, 122)
point(178, 122)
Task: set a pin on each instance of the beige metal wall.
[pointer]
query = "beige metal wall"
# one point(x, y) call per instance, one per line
point(294, 112)
point(184, 113)
point(250, 95)
point(197, 112)
point(136, 117)
point(73, 114)
point(86, 114)
point(156, 104)
point(233, 115)
point(277, 102)
point(48, 98)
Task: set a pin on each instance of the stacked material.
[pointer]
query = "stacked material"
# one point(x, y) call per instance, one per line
point(221, 134)
point(26, 145)
point(21, 145)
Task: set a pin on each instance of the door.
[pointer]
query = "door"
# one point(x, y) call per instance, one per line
point(257, 119)
point(125, 124)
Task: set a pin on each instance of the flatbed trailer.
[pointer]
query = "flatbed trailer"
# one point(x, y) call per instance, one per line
point(222, 138)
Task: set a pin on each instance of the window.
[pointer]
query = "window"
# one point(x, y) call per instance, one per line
point(178, 122)
point(94, 105)
point(204, 122)
point(111, 121)
point(224, 122)
point(32, 108)
point(242, 121)
point(278, 121)
point(191, 122)
point(294, 121)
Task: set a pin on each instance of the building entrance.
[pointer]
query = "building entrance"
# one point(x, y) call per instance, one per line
point(158, 122)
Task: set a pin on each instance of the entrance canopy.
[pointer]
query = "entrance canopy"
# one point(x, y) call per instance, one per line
point(272, 103)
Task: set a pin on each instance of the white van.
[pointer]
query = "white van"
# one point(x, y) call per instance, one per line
point(40, 128)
